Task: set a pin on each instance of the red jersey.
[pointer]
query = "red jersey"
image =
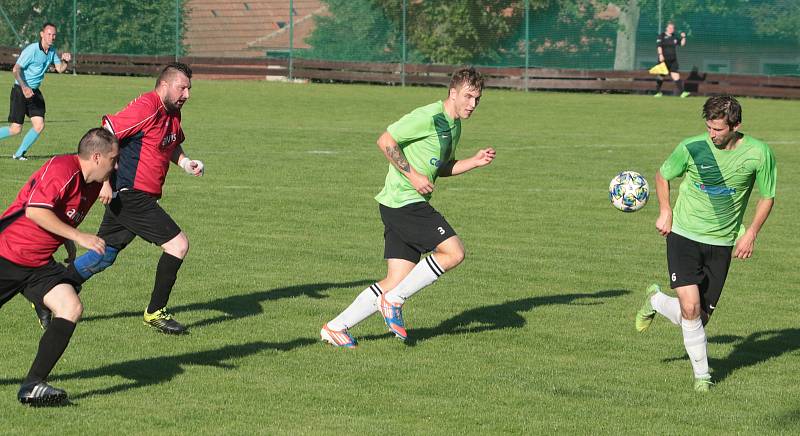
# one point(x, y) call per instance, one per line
point(59, 186)
point(148, 135)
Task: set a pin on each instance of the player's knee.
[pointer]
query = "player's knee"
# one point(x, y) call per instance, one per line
point(14, 129)
point(690, 311)
point(177, 246)
point(71, 309)
point(92, 262)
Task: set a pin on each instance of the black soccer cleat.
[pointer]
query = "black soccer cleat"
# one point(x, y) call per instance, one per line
point(163, 322)
point(44, 314)
point(41, 394)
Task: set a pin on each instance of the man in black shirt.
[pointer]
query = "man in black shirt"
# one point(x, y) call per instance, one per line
point(667, 46)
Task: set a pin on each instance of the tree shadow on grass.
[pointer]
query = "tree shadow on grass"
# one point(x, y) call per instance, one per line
point(755, 349)
point(154, 370)
point(244, 305)
point(500, 316)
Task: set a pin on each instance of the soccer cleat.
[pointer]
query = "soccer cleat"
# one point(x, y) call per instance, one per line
point(19, 157)
point(163, 322)
point(703, 384)
point(44, 314)
point(684, 94)
point(659, 94)
point(645, 315)
point(393, 317)
point(337, 338)
point(41, 394)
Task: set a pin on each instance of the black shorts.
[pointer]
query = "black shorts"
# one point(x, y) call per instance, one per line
point(134, 213)
point(21, 106)
point(672, 65)
point(33, 282)
point(694, 263)
point(412, 230)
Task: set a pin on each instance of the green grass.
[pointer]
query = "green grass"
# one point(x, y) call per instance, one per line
point(532, 334)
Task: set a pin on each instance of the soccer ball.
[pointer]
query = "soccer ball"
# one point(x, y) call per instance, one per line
point(628, 191)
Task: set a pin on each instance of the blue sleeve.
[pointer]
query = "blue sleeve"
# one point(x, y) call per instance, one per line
point(26, 56)
point(56, 59)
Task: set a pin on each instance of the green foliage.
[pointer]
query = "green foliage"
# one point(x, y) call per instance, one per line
point(355, 30)
point(780, 18)
point(120, 27)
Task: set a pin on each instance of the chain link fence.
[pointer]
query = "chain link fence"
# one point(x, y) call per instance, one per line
point(725, 36)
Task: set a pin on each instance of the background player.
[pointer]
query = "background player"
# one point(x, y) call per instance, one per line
point(720, 168)
point(420, 147)
point(667, 47)
point(150, 135)
point(45, 213)
point(26, 98)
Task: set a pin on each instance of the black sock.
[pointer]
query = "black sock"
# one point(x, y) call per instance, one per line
point(659, 82)
point(680, 85)
point(51, 346)
point(166, 274)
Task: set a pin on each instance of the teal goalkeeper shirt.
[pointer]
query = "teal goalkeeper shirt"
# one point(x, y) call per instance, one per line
point(34, 63)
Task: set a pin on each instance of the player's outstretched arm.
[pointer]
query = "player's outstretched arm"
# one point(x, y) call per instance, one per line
point(483, 157)
point(46, 219)
point(745, 245)
point(391, 150)
point(65, 57)
point(664, 221)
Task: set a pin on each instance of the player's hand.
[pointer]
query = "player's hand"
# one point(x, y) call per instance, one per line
point(106, 193)
point(664, 223)
point(193, 167)
point(484, 157)
point(420, 183)
point(66, 57)
point(27, 92)
point(91, 242)
point(744, 246)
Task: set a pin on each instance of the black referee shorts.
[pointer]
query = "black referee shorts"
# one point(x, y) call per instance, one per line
point(134, 213)
point(672, 65)
point(412, 230)
point(21, 106)
point(33, 282)
point(694, 263)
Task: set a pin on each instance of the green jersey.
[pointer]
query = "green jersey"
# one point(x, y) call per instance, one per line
point(713, 195)
point(428, 138)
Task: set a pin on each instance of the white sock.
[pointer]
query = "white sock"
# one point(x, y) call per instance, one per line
point(668, 306)
point(694, 339)
point(365, 304)
point(423, 274)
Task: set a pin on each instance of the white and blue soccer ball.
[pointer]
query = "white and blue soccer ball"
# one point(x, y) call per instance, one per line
point(628, 191)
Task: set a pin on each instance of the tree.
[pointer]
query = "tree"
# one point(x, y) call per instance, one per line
point(354, 30)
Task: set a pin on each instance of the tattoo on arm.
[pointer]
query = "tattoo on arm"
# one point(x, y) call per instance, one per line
point(398, 158)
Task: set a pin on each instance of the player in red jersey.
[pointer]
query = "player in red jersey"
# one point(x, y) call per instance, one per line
point(150, 135)
point(45, 214)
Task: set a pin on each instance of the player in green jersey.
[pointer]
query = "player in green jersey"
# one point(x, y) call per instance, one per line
point(420, 147)
point(719, 169)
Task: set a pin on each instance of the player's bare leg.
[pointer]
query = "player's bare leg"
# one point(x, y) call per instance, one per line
point(37, 126)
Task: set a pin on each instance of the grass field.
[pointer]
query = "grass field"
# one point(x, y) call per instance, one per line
point(533, 334)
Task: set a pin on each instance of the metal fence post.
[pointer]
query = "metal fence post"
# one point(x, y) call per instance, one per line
point(74, 36)
point(177, 29)
point(403, 65)
point(527, 42)
point(291, 38)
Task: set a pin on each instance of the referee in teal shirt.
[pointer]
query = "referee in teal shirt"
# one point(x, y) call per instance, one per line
point(26, 98)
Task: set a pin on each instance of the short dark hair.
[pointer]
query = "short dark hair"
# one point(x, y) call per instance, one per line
point(48, 24)
point(723, 107)
point(173, 68)
point(466, 76)
point(96, 140)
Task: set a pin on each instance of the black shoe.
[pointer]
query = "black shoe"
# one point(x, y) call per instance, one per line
point(41, 394)
point(44, 314)
point(163, 322)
